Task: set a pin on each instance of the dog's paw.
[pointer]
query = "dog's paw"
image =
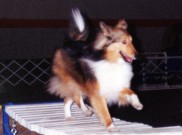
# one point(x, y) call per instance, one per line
point(135, 102)
point(112, 128)
point(88, 113)
point(69, 118)
point(138, 106)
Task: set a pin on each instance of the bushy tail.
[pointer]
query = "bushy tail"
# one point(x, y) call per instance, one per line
point(78, 29)
point(54, 86)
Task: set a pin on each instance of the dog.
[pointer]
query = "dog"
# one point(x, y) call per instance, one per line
point(99, 69)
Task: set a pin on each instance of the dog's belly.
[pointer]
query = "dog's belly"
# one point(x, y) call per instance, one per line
point(112, 77)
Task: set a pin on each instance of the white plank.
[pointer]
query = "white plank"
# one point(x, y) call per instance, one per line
point(48, 119)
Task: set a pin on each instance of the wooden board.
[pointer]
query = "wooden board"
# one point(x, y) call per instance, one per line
point(48, 119)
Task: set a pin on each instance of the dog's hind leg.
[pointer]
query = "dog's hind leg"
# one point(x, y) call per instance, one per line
point(79, 101)
point(127, 96)
point(67, 108)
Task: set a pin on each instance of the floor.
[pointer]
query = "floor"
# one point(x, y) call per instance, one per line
point(161, 107)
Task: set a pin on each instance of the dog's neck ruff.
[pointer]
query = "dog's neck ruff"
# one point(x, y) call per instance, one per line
point(112, 77)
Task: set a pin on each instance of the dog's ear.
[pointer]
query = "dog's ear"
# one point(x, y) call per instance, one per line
point(105, 28)
point(122, 24)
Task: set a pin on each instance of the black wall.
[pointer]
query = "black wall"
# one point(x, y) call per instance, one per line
point(54, 9)
point(40, 42)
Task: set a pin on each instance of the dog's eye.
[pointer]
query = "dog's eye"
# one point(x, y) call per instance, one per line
point(124, 42)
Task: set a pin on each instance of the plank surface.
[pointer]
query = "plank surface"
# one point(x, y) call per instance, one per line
point(48, 119)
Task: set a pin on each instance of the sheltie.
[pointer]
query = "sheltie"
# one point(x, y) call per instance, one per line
point(99, 69)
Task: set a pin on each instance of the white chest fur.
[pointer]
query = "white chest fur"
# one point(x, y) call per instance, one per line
point(112, 77)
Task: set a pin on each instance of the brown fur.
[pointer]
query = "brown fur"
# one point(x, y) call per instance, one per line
point(70, 84)
point(62, 68)
point(121, 41)
point(100, 106)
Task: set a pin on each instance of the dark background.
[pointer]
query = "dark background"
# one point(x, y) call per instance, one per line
point(112, 9)
point(34, 28)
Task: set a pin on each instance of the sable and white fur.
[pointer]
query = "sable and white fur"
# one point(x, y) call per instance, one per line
point(100, 70)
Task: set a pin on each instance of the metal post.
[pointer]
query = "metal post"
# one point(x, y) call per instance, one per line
point(166, 69)
point(143, 76)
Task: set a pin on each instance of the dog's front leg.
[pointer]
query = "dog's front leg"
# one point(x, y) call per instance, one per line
point(127, 96)
point(100, 106)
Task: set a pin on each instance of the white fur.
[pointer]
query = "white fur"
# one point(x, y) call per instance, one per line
point(111, 127)
point(86, 111)
point(55, 86)
point(112, 77)
point(78, 19)
point(134, 101)
point(82, 105)
point(67, 109)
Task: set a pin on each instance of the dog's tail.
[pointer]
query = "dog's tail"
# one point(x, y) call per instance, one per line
point(78, 29)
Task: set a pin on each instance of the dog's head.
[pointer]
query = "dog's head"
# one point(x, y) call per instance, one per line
point(116, 42)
